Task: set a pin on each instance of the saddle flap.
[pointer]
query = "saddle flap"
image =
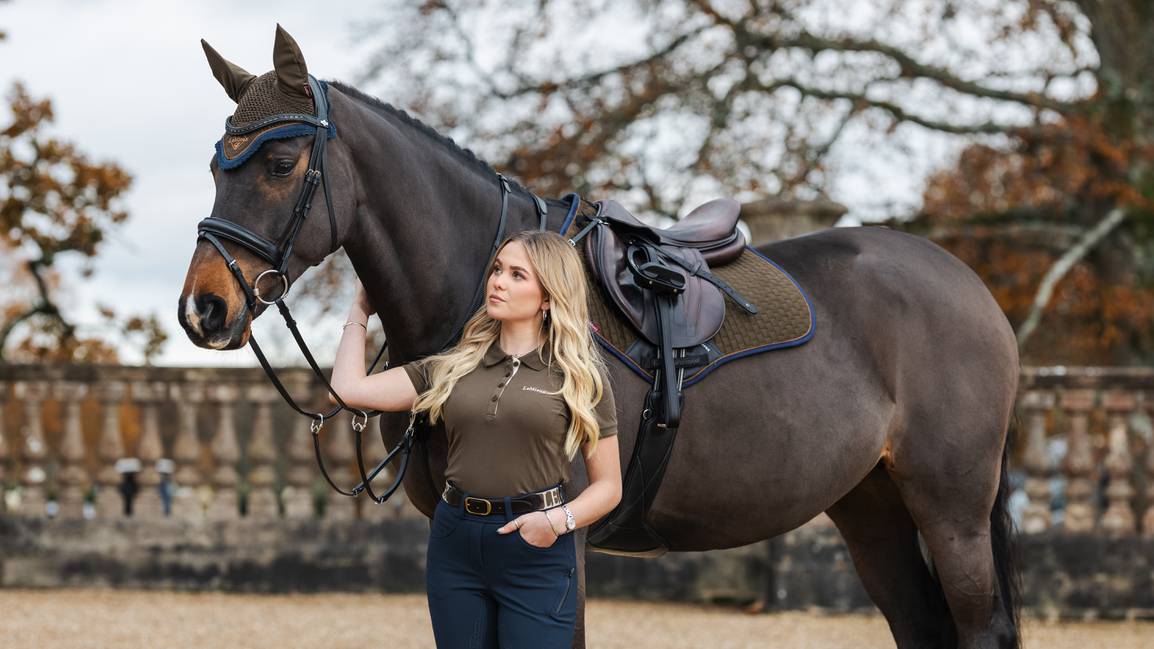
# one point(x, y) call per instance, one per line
point(698, 311)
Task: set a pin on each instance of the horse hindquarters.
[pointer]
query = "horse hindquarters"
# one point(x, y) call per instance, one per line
point(947, 361)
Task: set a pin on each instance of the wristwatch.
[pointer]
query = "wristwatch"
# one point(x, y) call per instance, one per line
point(570, 522)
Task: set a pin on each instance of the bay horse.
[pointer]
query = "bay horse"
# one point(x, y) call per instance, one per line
point(893, 419)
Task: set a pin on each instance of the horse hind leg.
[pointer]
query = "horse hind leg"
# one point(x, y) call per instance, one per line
point(962, 518)
point(883, 542)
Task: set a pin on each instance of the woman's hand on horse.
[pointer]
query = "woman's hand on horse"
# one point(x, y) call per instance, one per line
point(537, 530)
point(361, 304)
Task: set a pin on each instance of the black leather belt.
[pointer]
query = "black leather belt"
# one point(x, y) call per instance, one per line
point(520, 504)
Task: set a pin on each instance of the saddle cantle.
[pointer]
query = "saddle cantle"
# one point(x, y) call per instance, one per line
point(711, 228)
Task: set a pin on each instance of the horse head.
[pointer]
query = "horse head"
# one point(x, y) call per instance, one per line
point(279, 156)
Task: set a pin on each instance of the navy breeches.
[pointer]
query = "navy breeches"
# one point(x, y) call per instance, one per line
point(489, 590)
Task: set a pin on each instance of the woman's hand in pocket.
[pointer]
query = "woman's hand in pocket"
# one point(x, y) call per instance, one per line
point(534, 527)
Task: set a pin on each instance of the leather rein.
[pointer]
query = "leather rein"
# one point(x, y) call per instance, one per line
point(277, 254)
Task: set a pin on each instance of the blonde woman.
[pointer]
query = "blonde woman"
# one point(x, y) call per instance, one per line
point(520, 394)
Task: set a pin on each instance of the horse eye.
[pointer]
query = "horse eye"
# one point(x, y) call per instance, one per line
point(282, 167)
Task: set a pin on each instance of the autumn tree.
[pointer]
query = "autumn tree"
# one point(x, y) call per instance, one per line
point(661, 104)
point(55, 201)
point(1057, 218)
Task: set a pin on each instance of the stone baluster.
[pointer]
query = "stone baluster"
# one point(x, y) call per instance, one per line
point(189, 479)
point(261, 455)
point(109, 500)
point(5, 456)
point(225, 505)
point(300, 474)
point(1148, 518)
point(1079, 462)
point(1036, 517)
point(149, 503)
point(1119, 518)
point(32, 495)
point(73, 479)
point(339, 465)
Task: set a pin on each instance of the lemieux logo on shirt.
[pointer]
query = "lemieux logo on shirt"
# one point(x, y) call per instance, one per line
point(533, 388)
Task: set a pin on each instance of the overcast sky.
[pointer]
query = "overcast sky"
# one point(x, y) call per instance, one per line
point(129, 83)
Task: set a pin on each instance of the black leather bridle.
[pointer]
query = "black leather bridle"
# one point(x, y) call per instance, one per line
point(277, 254)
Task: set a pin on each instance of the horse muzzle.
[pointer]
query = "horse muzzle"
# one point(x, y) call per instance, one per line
point(204, 318)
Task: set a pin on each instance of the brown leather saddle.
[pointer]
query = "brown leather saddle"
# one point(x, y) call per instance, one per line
point(626, 254)
point(659, 279)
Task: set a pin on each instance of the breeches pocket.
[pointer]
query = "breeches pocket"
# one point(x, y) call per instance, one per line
point(445, 521)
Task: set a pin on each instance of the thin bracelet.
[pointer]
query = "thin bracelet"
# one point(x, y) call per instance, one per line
point(551, 528)
point(354, 322)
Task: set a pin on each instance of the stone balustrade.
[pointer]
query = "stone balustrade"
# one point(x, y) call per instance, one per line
point(1084, 447)
point(219, 444)
point(194, 444)
point(225, 494)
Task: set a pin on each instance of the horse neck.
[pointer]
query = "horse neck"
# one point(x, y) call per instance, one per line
point(425, 224)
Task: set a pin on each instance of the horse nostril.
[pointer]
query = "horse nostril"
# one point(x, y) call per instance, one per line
point(212, 310)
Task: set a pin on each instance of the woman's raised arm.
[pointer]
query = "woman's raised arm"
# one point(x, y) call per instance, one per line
point(391, 390)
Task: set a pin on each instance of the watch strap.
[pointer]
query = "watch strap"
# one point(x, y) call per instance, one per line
point(570, 522)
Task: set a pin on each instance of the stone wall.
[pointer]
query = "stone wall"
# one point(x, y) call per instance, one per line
point(1064, 576)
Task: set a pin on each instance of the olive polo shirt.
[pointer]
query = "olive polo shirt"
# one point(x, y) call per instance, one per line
point(506, 435)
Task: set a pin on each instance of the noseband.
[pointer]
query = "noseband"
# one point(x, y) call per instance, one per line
point(277, 254)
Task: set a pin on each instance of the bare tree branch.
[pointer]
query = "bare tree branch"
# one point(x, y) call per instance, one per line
point(1063, 266)
point(897, 112)
point(910, 68)
point(44, 306)
point(1053, 235)
point(594, 77)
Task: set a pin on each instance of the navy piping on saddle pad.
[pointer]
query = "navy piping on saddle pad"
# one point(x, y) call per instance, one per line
point(724, 359)
point(295, 125)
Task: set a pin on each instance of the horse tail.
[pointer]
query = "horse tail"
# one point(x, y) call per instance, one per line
point(1005, 547)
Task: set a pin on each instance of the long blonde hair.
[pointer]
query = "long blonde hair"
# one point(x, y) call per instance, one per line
point(559, 270)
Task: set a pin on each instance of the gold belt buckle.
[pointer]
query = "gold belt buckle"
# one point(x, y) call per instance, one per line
point(488, 506)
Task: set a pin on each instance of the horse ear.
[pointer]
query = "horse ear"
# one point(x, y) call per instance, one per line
point(291, 74)
point(230, 75)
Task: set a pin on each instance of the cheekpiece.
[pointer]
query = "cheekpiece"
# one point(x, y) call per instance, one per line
point(266, 113)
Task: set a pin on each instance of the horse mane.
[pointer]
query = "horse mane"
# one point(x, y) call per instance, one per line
point(388, 110)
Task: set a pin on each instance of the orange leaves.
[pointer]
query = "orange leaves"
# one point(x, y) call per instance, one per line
point(1066, 163)
point(57, 199)
point(27, 113)
point(54, 200)
point(1013, 212)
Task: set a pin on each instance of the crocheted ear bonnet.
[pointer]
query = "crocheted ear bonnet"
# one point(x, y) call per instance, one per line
point(266, 105)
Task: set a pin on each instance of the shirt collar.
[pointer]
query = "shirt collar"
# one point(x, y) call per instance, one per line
point(537, 359)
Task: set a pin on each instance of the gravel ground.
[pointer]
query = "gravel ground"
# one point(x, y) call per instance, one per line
point(101, 618)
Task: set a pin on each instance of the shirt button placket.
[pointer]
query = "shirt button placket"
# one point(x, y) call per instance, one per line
point(495, 401)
